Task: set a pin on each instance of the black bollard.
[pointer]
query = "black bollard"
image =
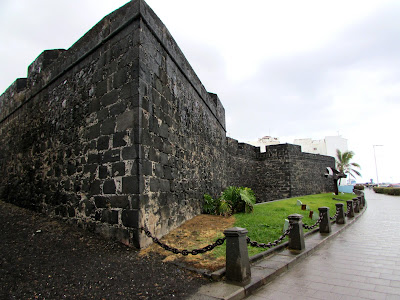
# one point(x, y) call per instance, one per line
point(237, 257)
point(340, 219)
point(360, 202)
point(296, 235)
point(325, 224)
point(356, 205)
point(350, 209)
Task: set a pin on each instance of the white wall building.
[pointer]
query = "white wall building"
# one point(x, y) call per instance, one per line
point(264, 141)
point(311, 146)
point(327, 146)
point(335, 142)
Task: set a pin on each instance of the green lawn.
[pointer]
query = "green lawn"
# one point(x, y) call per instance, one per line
point(265, 224)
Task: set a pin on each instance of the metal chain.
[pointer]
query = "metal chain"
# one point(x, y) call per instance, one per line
point(184, 252)
point(336, 214)
point(270, 244)
point(348, 209)
point(316, 223)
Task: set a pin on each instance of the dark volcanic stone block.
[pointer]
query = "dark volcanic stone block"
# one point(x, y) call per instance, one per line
point(130, 218)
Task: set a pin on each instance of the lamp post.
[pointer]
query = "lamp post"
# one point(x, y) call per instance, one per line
point(376, 167)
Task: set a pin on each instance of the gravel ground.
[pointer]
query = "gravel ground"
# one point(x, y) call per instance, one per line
point(43, 258)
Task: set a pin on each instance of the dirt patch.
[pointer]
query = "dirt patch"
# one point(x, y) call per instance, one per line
point(194, 234)
point(43, 258)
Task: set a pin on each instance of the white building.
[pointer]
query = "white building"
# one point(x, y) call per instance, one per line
point(327, 146)
point(264, 141)
point(335, 142)
point(311, 146)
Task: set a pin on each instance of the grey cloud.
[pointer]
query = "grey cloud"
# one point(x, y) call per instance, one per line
point(291, 93)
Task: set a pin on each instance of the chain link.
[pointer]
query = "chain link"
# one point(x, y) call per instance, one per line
point(184, 252)
point(220, 241)
point(348, 209)
point(270, 244)
point(336, 215)
point(316, 223)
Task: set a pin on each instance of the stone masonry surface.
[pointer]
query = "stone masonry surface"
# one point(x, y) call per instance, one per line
point(118, 132)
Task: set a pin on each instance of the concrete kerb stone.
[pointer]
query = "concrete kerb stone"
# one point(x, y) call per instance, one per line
point(268, 265)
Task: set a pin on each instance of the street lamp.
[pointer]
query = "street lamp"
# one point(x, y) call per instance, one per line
point(376, 167)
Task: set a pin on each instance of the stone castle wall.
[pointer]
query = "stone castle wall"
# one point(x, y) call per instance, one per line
point(183, 132)
point(282, 171)
point(118, 132)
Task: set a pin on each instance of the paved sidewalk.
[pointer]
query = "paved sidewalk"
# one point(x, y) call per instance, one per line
point(267, 269)
point(363, 262)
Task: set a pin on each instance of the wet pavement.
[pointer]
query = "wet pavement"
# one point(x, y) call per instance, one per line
point(362, 262)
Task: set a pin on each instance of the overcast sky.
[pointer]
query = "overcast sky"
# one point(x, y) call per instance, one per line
point(289, 69)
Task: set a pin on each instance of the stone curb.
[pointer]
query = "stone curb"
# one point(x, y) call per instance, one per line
point(265, 270)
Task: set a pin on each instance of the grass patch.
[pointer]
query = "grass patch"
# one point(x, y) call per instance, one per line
point(265, 225)
point(266, 222)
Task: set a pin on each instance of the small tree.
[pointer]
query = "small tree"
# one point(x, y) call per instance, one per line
point(344, 165)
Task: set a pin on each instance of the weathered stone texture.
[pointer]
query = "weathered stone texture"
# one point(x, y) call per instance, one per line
point(183, 133)
point(70, 147)
point(118, 132)
point(282, 171)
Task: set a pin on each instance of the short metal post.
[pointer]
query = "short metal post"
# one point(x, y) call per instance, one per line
point(340, 219)
point(296, 235)
point(237, 257)
point(356, 205)
point(363, 198)
point(350, 209)
point(325, 225)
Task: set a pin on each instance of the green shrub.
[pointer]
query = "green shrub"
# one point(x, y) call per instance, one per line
point(232, 200)
point(210, 205)
point(232, 195)
point(358, 187)
point(224, 208)
point(393, 191)
point(387, 191)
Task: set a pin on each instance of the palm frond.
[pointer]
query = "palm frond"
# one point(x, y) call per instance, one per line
point(355, 171)
point(249, 199)
point(344, 165)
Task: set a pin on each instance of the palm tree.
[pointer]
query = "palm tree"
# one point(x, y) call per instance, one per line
point(344, 165)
